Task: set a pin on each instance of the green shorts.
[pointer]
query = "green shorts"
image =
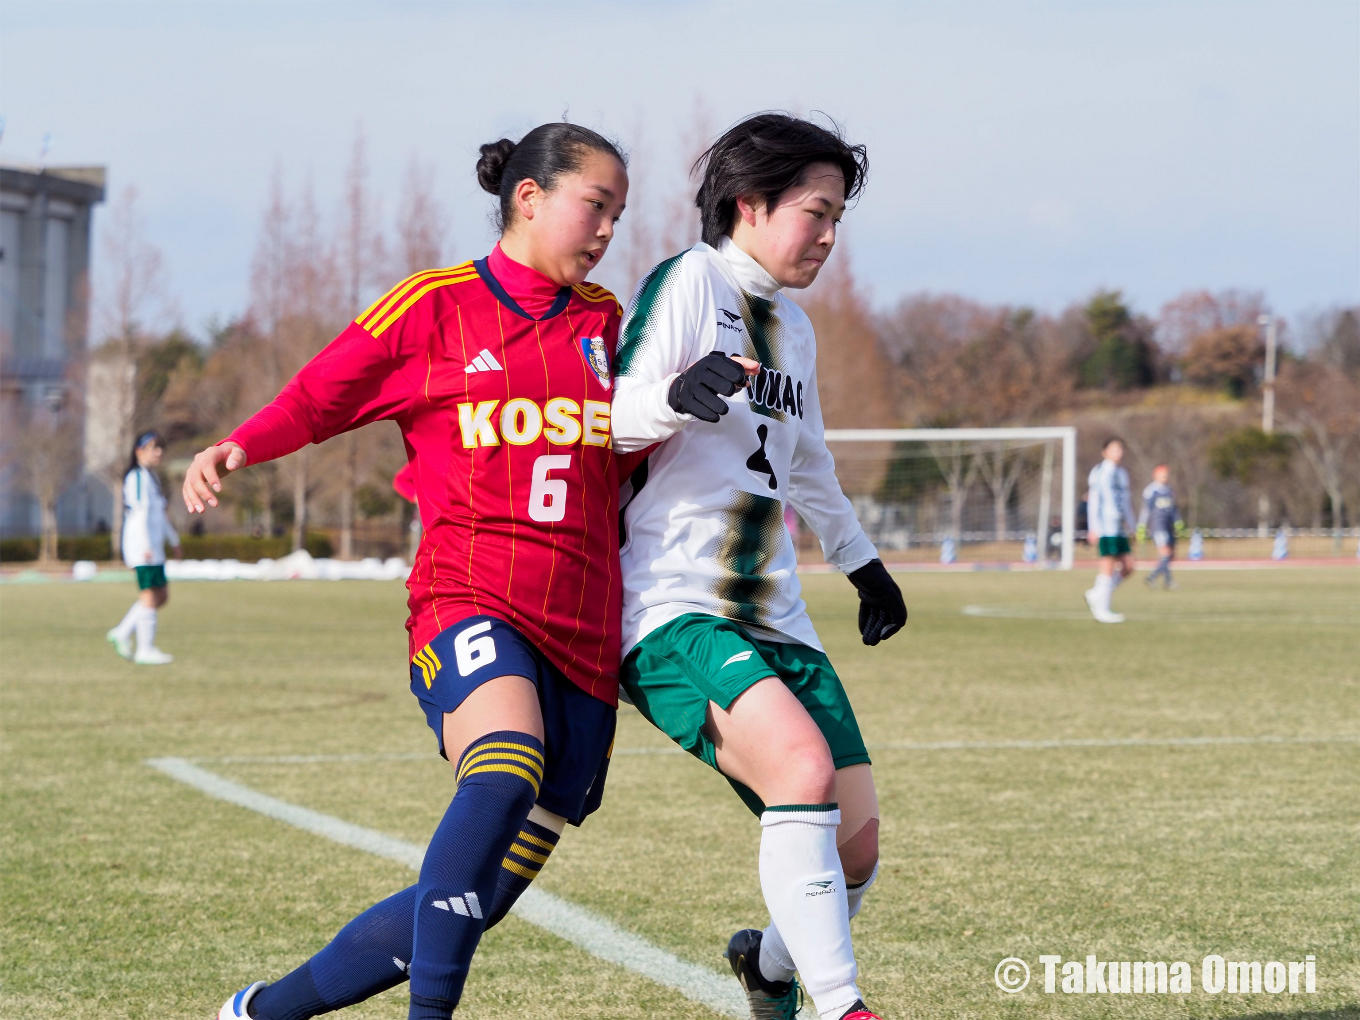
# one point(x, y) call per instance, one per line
point(1114, 545)
point(676, 670)
point(150, 577)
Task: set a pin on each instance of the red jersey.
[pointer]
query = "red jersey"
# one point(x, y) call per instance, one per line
point(500, 382)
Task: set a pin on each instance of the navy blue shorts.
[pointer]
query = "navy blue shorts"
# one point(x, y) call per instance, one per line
point(578, 730)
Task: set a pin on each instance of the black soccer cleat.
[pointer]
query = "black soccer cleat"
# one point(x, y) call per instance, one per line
point(859, 1011)
point(769, 1000)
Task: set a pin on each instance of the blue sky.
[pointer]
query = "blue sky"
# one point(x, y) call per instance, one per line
point(1023, 152)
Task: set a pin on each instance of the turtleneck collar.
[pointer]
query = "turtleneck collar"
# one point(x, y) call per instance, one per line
point(532, 291)
point(750, 274)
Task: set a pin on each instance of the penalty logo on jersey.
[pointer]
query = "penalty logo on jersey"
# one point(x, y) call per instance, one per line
point(592, 349)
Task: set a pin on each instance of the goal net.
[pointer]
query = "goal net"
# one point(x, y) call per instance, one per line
point(960, 495)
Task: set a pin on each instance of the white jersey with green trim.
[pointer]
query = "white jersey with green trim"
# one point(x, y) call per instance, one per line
point(146, 528)
point(703, 519)
point(1109, 506)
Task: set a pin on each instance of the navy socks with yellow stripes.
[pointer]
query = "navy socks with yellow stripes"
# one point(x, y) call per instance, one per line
point(527, 855)
point(372, 953)
point(498, 780)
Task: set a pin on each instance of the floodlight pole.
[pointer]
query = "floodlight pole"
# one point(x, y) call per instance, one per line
point(1268, 382)
point(1267, 413)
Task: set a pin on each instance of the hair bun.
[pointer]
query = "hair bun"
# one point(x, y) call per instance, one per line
point(491, 166)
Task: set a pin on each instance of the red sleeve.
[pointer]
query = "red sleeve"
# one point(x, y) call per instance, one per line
point(404, 482)
point(355, 380)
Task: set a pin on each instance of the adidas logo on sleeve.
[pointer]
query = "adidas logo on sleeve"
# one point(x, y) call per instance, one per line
point(483, 362)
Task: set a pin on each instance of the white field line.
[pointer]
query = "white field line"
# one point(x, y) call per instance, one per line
point(1029, 745)
point(576, 925)
point(1026, 613)
point(892, 745)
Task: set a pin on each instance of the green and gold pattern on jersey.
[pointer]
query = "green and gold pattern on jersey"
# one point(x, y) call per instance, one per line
point(641, 325)
point(764, 343)
point(753, 531)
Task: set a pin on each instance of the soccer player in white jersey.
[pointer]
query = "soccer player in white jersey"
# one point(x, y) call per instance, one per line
point(146, 531)
point(718, 366)
point(1110, 522)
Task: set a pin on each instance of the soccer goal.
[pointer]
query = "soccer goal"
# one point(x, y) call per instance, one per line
point(980, 495)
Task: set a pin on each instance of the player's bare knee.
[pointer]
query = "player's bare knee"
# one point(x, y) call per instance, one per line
point(806, 769)
point(859, 853)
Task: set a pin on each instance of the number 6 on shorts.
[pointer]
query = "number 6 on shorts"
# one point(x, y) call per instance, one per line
point(548, 496)
point(473, 655)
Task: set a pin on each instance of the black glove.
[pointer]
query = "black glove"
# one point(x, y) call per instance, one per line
point(882, 612)
point(699, 389)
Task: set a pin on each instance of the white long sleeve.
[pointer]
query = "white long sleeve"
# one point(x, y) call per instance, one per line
point(667, 328)
point(815, 492)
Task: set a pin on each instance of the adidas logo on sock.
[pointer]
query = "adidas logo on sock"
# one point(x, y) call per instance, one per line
point(405, 968)
point(467, 905)
point(483, 362)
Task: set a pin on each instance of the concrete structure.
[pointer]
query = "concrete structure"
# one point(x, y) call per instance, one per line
point(45, 219)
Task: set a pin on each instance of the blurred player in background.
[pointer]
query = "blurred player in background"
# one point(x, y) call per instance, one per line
point(146, 532)
point(1160, 517)
point(497, 372)
point(719, 367)
point(1110, 522)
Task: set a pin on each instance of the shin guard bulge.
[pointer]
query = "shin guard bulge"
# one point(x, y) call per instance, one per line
point(804, 888)
point(498, 780)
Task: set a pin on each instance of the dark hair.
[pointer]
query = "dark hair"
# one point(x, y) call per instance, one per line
point(149, 436)
point(1109, 442)
point(766, 155)
point(543, 155)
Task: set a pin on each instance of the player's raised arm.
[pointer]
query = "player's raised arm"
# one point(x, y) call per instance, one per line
point(667, 372)
point(357, 379)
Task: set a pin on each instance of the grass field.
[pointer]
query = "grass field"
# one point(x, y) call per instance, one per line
point(126, 894)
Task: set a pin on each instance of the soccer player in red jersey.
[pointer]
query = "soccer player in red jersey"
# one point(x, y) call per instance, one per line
point(498, 373)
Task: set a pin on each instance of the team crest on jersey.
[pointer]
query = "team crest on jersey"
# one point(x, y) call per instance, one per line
point(592, 349)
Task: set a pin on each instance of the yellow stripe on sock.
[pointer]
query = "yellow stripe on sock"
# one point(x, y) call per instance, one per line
point(483, 751)
point(531, 838)
point(493, 755)
point(498, 767)
point(529, 855)
point(535, 752)
point(518, 869)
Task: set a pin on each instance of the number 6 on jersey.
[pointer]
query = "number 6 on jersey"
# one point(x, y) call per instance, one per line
point(548, 496)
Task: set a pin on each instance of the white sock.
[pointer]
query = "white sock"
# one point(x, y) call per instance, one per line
point(146, 629)
point(854, 894)
point(804, 887)
point(124, 629)
point(775, 962)
point(1104, 588)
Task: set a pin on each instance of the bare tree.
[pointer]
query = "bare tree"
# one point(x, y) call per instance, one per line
point(133, 293)
point(46, 456)
point(1319, 404)
point(361, 258)
point(854, 376)
point(422, 221)
point(309, 322)
point(268, 308)
point(959, 469)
